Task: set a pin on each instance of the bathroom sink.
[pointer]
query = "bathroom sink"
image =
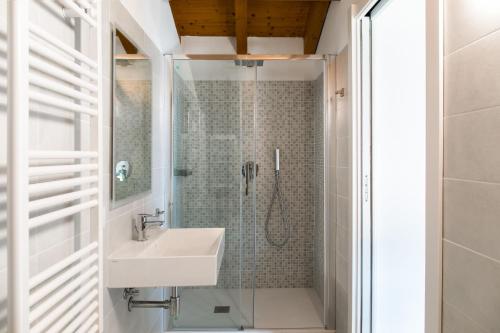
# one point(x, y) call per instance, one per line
point(169, 258)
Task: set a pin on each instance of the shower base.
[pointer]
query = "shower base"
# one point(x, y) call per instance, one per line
point(275, 308)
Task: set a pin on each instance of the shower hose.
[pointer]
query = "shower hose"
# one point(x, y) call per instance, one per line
point(284, 216)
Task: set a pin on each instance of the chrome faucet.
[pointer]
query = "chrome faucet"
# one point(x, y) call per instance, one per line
point(144, 222)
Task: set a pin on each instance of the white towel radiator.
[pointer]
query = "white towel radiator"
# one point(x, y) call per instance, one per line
point(46, 187)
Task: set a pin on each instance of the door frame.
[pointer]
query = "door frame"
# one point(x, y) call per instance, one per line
point(434, 166)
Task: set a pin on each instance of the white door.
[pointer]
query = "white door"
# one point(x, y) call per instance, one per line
point(394, 161)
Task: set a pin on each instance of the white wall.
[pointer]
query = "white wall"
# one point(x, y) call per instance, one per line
point(156, 19)
point(275, 45)
point(118, 224)
point(335, 34)
point(207, 45)
point(227, 45)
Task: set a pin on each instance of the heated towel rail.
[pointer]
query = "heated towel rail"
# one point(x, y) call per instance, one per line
point(48, 187)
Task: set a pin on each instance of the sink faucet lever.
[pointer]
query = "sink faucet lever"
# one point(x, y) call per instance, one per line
point(144, 222)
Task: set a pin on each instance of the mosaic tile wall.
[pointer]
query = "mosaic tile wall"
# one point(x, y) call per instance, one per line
point(208, 116)
point(132, 136)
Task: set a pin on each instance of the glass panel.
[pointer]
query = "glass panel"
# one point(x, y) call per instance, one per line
point(228, 122)
point(213, 142)
point(290, 220)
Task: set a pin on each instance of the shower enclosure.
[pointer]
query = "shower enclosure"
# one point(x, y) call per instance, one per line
point(229, 118)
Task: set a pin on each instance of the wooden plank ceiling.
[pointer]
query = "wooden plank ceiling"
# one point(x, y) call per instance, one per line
point(256, 18)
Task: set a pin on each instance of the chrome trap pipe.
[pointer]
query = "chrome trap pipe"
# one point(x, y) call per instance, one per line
point(132, 303)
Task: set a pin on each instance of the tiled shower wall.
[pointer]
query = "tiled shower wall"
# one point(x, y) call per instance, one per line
point(208, 116)
point(289, 116)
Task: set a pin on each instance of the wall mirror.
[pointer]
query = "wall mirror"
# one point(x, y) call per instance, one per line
point(131, 100)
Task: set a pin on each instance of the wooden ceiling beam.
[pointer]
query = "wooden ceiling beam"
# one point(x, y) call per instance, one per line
point(241, 25)
point(256, 18)
point(129, 47)
point(314, 25)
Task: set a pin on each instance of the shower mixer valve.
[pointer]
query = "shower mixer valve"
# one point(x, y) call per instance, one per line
point(247, 171)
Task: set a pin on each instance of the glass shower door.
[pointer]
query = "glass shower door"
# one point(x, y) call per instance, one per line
point(213, 184)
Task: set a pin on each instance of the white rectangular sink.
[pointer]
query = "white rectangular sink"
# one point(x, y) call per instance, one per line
point(169, 258)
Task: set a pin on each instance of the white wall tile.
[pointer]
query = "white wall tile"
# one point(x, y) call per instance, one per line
point(343, 190)
point(342, 272)
point(120, 320)
point(471, 146)
point(343, 182)
point(471, 212)
point(472, 76)
point(343, 117)
point(456, 322)
point(471, 284)
point(342, 242)
point(342, 212)
point(342, 312)
point(343, 151)
point(467, 21)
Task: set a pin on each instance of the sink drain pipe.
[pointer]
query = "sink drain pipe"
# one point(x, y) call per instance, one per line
point(172, 304)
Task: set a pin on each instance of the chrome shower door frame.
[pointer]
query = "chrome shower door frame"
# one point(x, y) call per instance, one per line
point(329, 155)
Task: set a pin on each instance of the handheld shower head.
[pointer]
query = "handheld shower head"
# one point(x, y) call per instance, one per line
point(277, 160)
point(278, 196)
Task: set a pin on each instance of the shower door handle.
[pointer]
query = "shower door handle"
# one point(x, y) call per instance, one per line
point(247, 171)
point(246, 174)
